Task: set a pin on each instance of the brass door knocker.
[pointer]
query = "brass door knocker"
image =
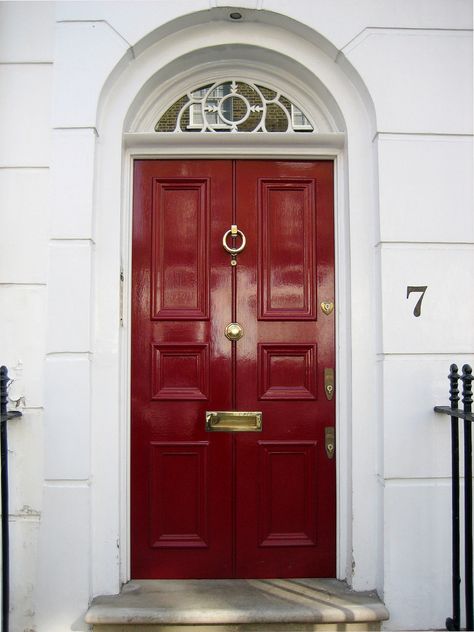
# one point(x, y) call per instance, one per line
point(234, 250)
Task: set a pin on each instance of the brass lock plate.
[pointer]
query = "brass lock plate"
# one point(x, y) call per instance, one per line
point(329, 383)
point(330, 441)
point(233, 421)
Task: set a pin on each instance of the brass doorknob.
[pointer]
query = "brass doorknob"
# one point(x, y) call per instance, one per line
point(234, 331)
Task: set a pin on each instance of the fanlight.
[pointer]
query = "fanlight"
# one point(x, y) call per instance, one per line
point(234, 106)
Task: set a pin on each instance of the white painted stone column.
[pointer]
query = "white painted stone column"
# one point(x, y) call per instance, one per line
point(424, 148)
point(25, 111)
point(86, 51)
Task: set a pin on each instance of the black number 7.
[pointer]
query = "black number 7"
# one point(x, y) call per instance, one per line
point(417, 288)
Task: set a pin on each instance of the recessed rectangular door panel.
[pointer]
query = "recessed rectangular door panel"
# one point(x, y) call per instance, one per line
point(180, 248)
point(180, 371)
point(287, 371)
point(287, 493)
point(286, 273)
point(178, 503)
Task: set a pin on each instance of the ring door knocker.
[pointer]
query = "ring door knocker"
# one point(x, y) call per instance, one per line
point(234, 250)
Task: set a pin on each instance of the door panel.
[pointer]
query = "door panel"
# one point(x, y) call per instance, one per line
point(287, 492)
point(223, 504)
point(285, 226)
point(181, 482)
point(178, 494)
point(283, 477)
point(180, 251)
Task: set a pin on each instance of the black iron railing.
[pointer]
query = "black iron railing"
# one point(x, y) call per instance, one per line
point(4, 417)
point(466, 415)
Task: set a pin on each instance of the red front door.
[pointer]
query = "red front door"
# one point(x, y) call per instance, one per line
point(210, 504)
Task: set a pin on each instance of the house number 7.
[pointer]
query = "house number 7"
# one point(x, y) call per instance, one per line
point(417, 288)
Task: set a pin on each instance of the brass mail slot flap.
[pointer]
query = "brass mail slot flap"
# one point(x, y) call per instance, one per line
point(233, 421)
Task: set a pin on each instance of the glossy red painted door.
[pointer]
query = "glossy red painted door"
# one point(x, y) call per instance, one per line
point(285, 483)
point(181, 482)
point(210, 504)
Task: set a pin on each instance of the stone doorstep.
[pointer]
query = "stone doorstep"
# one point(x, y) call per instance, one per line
point(237, 605)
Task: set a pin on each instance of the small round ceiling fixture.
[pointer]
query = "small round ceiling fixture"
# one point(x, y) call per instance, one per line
point(235, 15)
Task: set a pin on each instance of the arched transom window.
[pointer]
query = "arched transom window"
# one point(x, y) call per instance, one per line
point(234, 106)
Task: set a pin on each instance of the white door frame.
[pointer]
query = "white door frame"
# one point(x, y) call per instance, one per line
point(330, 148)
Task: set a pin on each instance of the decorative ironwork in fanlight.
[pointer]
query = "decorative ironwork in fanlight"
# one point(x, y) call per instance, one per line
point(234, 106)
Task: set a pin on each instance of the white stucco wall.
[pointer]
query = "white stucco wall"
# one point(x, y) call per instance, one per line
point(59, 300)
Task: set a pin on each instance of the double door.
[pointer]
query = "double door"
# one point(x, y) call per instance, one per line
point(232, 297)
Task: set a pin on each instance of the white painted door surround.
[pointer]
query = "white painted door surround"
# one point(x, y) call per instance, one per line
point(281, 53)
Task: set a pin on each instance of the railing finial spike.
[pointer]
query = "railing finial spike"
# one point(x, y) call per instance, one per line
point(3, 389)
point(467, 385)
point(453, 388)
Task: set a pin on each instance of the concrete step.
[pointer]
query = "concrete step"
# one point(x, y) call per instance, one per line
point(237, 605)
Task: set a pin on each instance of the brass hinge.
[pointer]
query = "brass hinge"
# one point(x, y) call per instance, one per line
point(122, 279)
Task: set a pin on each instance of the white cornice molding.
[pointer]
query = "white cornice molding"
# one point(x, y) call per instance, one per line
point(260, 144)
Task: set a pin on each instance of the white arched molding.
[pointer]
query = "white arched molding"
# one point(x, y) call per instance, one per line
point(321, 82)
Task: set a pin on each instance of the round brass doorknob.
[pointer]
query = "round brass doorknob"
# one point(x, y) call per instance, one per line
point(234, 331)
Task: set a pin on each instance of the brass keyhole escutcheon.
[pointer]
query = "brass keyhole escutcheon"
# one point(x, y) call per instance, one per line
point(329, 383)
point(330, 441)
point(327, 307)
point(234, 331)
